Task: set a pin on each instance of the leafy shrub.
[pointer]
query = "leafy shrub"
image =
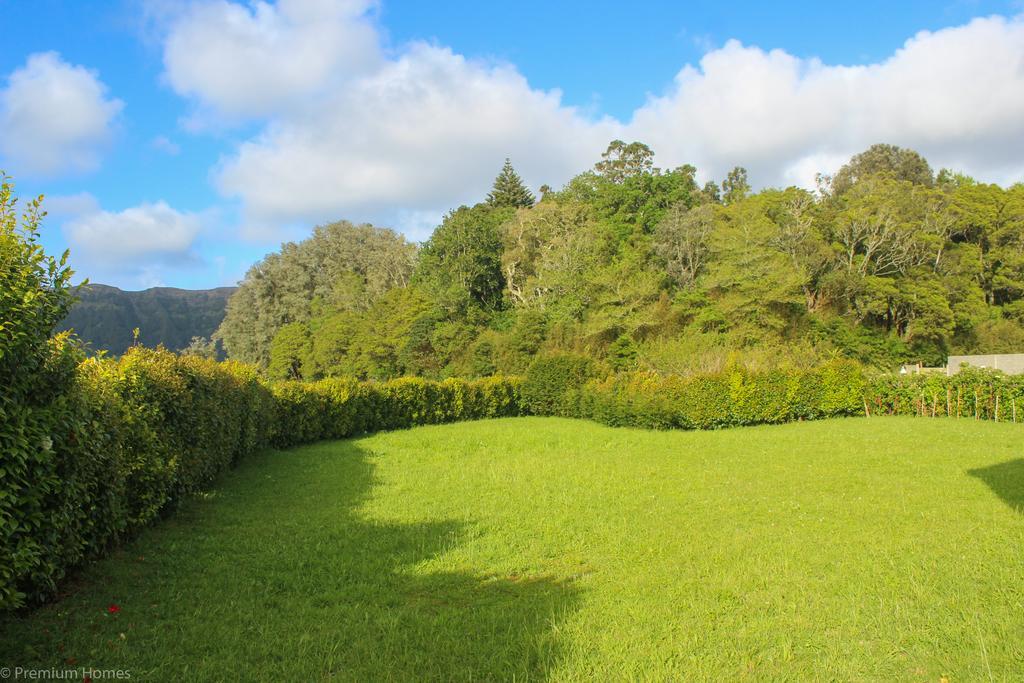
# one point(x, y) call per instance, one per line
point(119, 443)
point(729, 398)
point(552, 384)
point(36, 377)
point(336, 408)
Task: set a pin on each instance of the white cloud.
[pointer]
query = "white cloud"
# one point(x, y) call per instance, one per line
point(354, 131)
point(55, 117)
point(137, 237)
point(427, 131)
point(956, 95)
point(243, 61)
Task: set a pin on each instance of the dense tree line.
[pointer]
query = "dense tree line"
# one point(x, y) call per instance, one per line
point(642, 267)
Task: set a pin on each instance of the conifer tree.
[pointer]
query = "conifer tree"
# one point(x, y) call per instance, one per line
point(509, 189)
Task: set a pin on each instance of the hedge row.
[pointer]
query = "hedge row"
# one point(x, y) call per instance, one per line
point(338, 408)
point(727, 399)
point(121, 441)
point(557, 385)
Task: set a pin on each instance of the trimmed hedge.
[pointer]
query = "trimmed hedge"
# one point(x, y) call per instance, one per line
point(552, 383)
point(122, 441)
point(339, 408)
point(731, 398)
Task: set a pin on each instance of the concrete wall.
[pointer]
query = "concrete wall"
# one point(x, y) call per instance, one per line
point(1010, 363)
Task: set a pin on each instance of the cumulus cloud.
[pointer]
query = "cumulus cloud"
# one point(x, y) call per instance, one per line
point(55, 117)
point(428, 130)
point(957, 95)
point(366, 133)
point(136, 240)
point(241, 61)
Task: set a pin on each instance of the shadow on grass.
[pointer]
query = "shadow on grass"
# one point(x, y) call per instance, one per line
point(280, 574)
point(1006, 480)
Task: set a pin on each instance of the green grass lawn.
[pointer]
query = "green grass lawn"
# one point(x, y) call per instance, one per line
point(540, 548)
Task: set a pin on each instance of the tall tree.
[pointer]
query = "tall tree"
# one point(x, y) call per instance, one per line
point(548, 256)
point(289, 352)
point(735, 186)
point(341, 267)
point(460, 265)
point(751, 284)
point(889, 160)
point(681, 241)
point(509, 190)
point(621, 161)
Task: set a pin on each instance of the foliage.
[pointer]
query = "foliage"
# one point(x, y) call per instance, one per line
point(202, 347)
point(289, 352)
point(552, 383)
point(341, 268)
point(883, 265)
point(974, 393)
point(729, 398)
point(681, 241)
point(123, 441)
point(509, 190)
point(887, 160)
point(622, 161)
point(460, 265)
point(702, 353)
point(735, 187)
point(37, 375)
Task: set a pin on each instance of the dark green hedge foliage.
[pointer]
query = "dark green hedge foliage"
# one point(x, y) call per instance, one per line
point(552, 384)
point(338, 408)
point(121, 443)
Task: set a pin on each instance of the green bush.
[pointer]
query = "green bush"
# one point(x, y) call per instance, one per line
point(336, 408)
point(552, 384)
point(730, 398)
point(37, 378)
point(121, 442)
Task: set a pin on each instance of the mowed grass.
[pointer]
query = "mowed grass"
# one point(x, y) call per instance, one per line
point(541, 548)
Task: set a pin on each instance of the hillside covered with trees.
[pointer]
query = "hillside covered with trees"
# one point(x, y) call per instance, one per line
point(104, 317)
point(642, 267)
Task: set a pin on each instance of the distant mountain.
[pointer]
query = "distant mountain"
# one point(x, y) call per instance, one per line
point(105, 316)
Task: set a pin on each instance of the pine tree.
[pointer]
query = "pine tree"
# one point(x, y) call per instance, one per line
point(509, 189)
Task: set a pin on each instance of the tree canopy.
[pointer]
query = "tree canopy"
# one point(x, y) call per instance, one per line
point(637, 266)
point(509, 190)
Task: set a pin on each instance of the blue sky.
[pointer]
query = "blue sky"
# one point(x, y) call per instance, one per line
point(178, 142)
